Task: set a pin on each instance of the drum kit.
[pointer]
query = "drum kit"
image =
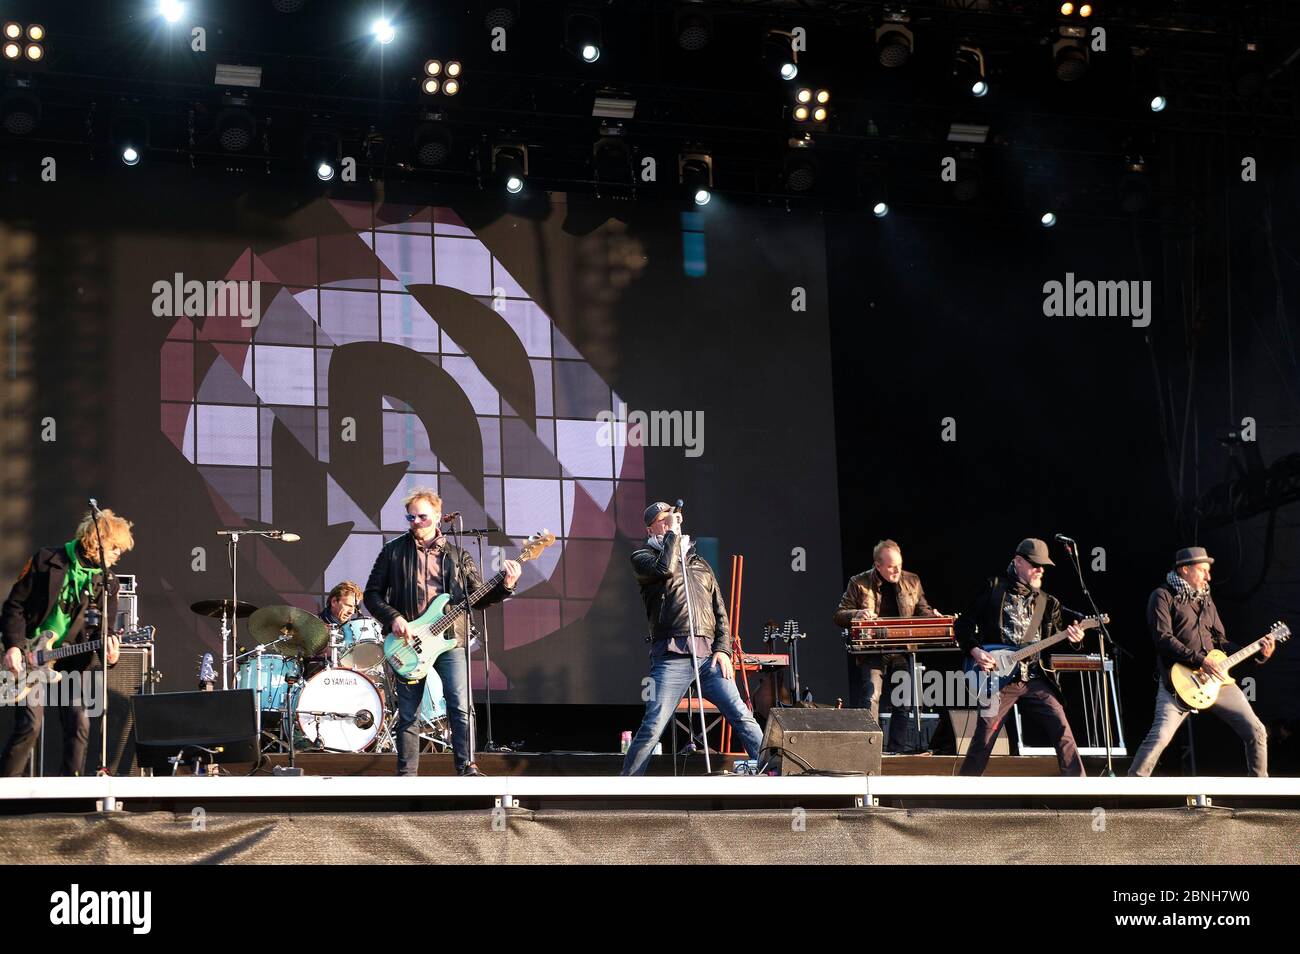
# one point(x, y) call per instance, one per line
point(326, 687)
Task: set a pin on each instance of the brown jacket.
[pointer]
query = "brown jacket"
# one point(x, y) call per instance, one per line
point(863, 593)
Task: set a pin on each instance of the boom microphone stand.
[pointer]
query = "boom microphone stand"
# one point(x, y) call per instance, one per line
point(1072, 549)
point(695, 659)
point(103, 636)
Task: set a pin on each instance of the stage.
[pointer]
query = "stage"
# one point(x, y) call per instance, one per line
point(897, 818)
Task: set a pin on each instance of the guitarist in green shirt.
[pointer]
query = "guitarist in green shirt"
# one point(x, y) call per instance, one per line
point(56, 592)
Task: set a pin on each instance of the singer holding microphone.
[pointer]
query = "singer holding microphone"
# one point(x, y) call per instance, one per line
point(683, 649)
point(408, 574)
point(58, 591)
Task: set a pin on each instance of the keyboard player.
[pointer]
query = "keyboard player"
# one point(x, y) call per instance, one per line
point(888, 591)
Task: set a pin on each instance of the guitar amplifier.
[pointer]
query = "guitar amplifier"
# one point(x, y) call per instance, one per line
point(824, 740)
point(130, 677)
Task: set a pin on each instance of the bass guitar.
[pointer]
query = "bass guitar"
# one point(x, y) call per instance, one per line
point(432, 633)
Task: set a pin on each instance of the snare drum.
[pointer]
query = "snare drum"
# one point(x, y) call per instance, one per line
point(267, 675)
point(334, 693)
point(363, 645)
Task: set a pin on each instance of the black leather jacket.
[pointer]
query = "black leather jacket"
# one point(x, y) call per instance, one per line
point(659, 575)
point(982, 623)
point(33, 596)
point(391, 589)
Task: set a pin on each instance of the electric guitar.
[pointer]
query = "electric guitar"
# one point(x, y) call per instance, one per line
point(41, 661)
point(1007, 658)
point(1198, 689)
point(431, 632)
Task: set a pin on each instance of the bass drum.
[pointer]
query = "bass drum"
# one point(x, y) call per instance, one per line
point(340, 692)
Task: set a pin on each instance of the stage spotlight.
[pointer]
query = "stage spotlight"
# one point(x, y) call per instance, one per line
point(1047, 219)
point(236, 128)
point(510, 166)
point(880, 209)
point(431, 87)
point(130, 156)
point(779, 56)
point(800, 174)
point(1071, 58)
point(894, 44)
point(823, 96)
point(171, 10)
point(35, 51)
point(501, 15)
point(451, 87)
point(694, 30)
point(582, 36)
point(13, 51)
point(453, 68)
point(968, 70)
point(325, 171)
point(13, 30)
point(432, 67)
point(819, 114)
point(804, 96)
point(21, 113)
point(1158, 104)
point(801, 113)
point(1067, 9)
point(384, 31)
point(1085, 10)
point(612, 161)
point(432, 143)
point(36, 32)
point(695, 170)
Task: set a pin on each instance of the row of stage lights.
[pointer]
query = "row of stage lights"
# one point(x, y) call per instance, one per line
point(510, 162)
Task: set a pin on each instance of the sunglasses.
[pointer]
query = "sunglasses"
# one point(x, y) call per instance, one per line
point(412, 517)
point(1036, 566)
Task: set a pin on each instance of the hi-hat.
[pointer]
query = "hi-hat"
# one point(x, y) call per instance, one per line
point(218, 608)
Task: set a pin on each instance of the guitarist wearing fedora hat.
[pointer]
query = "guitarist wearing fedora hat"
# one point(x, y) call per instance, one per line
point(1186, 627)
point(1013, 609)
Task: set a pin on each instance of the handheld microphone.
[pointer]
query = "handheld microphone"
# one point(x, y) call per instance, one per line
point(680, 504)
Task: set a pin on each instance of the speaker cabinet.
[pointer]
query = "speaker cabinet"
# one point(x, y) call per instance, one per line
point(824, 740)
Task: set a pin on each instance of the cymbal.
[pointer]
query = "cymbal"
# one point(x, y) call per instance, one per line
point(215, 608)
point(305, 634)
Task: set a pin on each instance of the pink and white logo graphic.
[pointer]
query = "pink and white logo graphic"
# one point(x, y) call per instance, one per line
point(397, 352)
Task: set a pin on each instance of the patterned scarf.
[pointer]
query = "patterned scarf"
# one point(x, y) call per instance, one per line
point(1183, 592)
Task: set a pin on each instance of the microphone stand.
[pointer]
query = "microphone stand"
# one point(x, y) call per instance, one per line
point(695, 659)
point(232, 554)
point(490, 745)
point(1072, 549)
point(103, 645)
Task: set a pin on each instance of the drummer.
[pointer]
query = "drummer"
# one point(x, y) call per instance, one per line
point(340, 606)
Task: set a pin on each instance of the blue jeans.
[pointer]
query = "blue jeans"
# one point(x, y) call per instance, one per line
point(450, 667)
point(1232, 707)
point(671, 676)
